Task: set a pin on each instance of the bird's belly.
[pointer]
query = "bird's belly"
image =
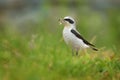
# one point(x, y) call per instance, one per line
point(70, 40)
point(73, 41)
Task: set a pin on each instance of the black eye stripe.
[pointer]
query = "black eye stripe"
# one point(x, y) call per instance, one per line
point(69, 20)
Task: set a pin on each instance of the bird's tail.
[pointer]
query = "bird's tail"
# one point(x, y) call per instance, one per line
point(95, 49)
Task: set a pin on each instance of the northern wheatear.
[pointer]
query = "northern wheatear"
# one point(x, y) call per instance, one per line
point(72, 37)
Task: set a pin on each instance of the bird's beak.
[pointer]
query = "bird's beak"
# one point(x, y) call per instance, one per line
point(61, 21)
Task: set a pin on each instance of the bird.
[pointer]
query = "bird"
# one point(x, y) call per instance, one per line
point(72, 37)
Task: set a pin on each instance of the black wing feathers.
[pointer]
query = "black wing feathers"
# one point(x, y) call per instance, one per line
point(80, 37)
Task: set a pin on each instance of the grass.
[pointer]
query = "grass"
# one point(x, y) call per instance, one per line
point(46, 57)
point(41, 54)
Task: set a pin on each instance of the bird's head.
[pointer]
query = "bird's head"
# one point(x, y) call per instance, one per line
point(67, 21)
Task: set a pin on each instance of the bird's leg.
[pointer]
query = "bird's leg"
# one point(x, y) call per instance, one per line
point(76, 53)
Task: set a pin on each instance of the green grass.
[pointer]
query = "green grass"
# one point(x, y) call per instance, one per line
point(39, 53)
point(46, 57)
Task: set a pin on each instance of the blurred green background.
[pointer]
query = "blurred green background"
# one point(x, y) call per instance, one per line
point(31, 43)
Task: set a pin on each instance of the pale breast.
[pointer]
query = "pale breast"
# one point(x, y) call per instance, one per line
point(72, 40)
point(66, 35)
point(69, 38)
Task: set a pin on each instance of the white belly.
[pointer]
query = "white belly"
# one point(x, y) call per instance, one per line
point(72, 40)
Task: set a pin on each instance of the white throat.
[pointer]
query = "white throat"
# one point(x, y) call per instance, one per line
point(70, 26)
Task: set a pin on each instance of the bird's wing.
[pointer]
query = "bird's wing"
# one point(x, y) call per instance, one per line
point(77, 34)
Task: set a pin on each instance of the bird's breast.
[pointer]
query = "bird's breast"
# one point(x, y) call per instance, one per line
point(68, 37)
point(72, 40)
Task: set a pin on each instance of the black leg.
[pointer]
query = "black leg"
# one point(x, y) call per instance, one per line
point(76, 53)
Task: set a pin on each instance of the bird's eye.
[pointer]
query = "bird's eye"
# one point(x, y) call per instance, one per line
point(69, 20)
